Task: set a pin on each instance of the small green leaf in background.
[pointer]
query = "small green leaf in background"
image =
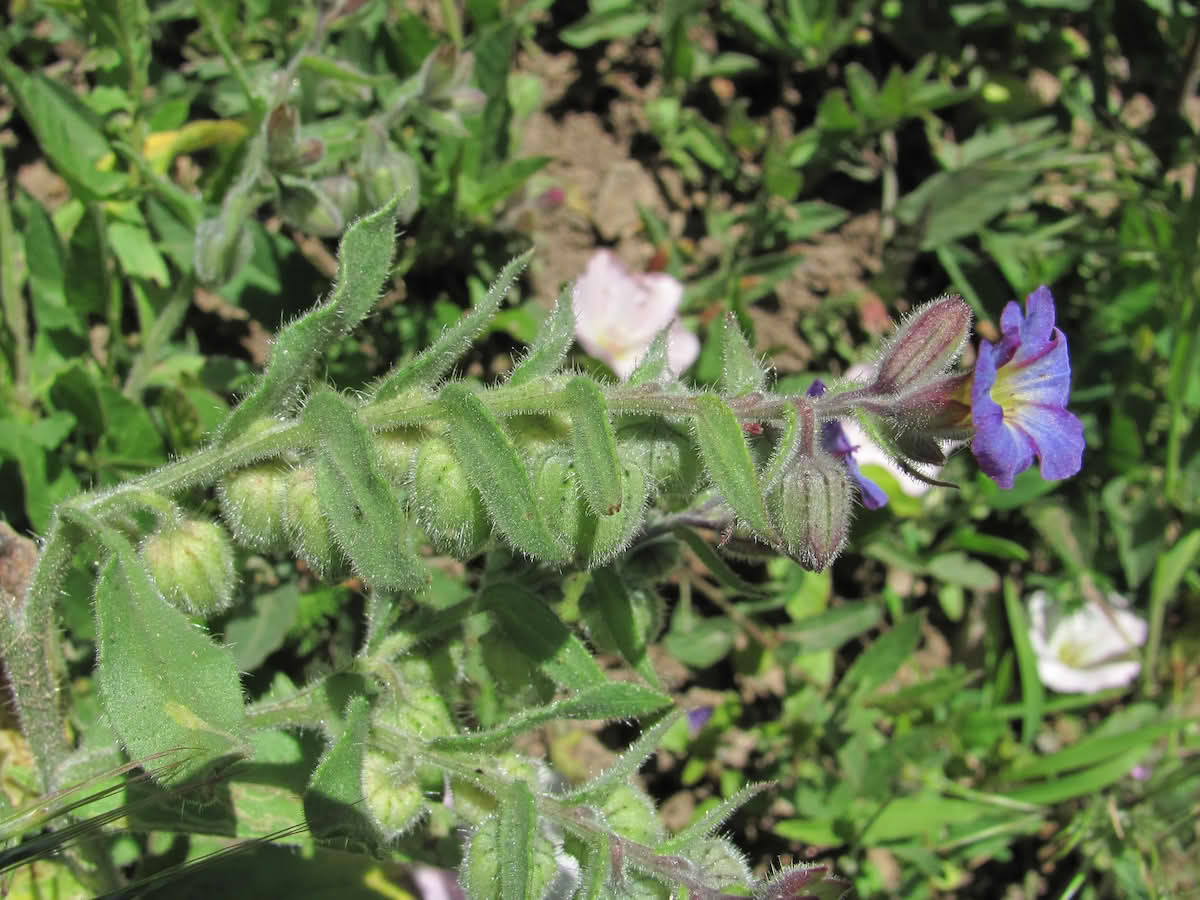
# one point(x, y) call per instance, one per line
point(1032, 695)
point(255, 635)
point(614, 619)
point(164, 683)
point(540, 634)
point(883, 659)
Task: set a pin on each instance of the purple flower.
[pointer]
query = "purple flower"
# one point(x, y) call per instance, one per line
point(1019, 396)
point(836, 443)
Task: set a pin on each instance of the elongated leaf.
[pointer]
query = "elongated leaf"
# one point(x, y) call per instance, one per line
point(613, 605)
point(1032, 695)
point(1094, 750)
point(163, 682)
point(829, 630)
point(333, 800)
point(876, 666)
point(627, 764)
point(518, 823)
point(714, 818)
point(364, 261)
point(727, 458)
point(1089, 781)
point(741, 372)
point(551, 345)
point(614, 700)
point(785, 450)
point(718, 567)
point(541, 635)
point(494, 467)
point(1170, 569)
point(431, 364)
point(363, 513)
point(596, 464)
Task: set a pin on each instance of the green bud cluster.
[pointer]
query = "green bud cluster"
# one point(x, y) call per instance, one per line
point(192, 563)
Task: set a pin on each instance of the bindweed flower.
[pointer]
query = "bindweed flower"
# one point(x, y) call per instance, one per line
point(618, 315)
point(1088, 650)
point(1019, 396)
point(835, 440)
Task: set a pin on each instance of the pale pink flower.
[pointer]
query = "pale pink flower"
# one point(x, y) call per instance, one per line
point(618, 315)
point(1089, 650)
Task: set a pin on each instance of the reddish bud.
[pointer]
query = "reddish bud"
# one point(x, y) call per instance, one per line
point(926, 345)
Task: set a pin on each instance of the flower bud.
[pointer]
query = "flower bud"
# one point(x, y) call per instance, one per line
point(447, 506)
point(252, 502)
point(558, 498)
point(630, 812)
point(422, 712)
point(721, 862)
point(320, 208)
point(926, 345)
point(192, 564)
point(222, 247)
point(666, 454)
point(810, 509)
point(394, 802)
point(474, 804)
point(307, 528)
point(549, 865)
point(387, 171)
point(283, 135)
point(396, 454)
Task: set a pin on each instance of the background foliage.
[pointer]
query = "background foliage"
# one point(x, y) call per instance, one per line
point(813, 168)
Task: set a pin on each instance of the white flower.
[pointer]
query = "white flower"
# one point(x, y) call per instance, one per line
point(618, 315)
point(1089, 650)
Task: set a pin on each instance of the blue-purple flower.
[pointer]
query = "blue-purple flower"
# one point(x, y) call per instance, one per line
point(1019, 396)
point(836, 443)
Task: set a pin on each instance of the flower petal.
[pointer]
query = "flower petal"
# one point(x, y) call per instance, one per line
point(1055, 434)
point(682, 348)
point(1058, 676)
point(1040, 379)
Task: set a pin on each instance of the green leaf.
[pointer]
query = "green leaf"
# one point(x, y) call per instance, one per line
point(741, 372)
point(137, 253)
point(256, 635)
point(364, 262)
point(714, 817)
point(1092, 750)
point(619, 22)
point(67, 131)
point(716, 566)
point(164, 683)
point(1032, 696)
point(1172, 567)
point(431, 364)
point(44, 477)
point(830, 630)
point(46, 259)
point(883, 659)
point(540, 634)
point(703, 643)
point(627, 764)
point(333, 800)
point(363, 512)
point(613, 700)
point(595, 447)
point(1089, 781)
point(727, 459)
point(655, 365)
point(552, 343)
point(518, 823)
point(609, 608)
point(960, 569)
point(494, 467)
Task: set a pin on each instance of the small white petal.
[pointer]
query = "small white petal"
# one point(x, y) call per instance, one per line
point(618, 315)
point(1070, 680)
point(1088, 650)
point(682, 348)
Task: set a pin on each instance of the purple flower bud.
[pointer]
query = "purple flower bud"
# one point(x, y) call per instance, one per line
point(926, 345)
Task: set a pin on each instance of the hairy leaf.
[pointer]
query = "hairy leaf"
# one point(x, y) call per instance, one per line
point(741, 372)
point(596, 464)
point(432, 363)
point(364, 261)
point(518, 824)
point(727, 459)
point(163, 682)
point(612, 605)
point(552, 343)
point(613, 700)
point(365, 515)
point(494, 467)
point(333, 800)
